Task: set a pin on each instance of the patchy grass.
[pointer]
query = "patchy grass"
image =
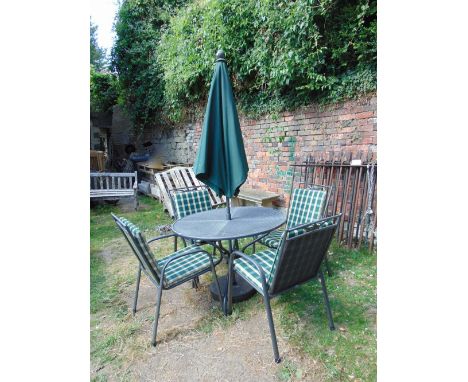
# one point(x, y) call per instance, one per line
point(103, 228)
point(118, 338)
point(349, 352)
point(111, 320)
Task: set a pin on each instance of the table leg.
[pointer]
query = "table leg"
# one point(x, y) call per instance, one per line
point(233, 290)
point(230, 282)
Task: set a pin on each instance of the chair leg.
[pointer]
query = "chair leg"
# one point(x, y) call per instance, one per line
point(274, 343)
point(196, 282)
point(327, 265)
point(156, 316)
point(327, 302)
point(135, 300)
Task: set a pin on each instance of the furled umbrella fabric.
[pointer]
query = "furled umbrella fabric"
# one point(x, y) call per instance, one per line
point(221, 162)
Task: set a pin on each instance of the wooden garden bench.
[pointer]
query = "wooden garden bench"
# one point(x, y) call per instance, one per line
point(114, 186)
point(180, 177)
point(261, 198)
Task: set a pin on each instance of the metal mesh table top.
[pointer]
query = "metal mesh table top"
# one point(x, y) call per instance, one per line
point(213, 225)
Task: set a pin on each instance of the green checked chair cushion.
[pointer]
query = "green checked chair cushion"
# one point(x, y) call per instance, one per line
point(190, 202)
point(268, 259)
point(186, 266)
point(178, 269)
point(265, 259)
point(273, 239)
point(306, 206)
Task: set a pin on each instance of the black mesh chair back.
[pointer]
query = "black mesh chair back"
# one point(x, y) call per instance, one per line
point(300, 257)
point(139, 247)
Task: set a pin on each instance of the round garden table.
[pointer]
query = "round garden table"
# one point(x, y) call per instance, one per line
point(212, 226)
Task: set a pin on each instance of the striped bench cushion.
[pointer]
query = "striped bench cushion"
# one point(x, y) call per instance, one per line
point(265, 259)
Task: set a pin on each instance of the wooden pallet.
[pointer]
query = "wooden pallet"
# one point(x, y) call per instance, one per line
point(180, 177)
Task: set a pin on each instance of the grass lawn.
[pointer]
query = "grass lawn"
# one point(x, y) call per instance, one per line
point(347, 354)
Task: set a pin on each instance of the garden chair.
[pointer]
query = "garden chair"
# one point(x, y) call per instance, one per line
point(306, 205)
point(169, 272)
point(297, 260)
point(187, 201)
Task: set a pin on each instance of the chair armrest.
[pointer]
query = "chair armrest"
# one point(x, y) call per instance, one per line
point(217, 205)
point(161, 237)
point(135, 185)
point(164, 228)
point(316, 222)
point(254, 241)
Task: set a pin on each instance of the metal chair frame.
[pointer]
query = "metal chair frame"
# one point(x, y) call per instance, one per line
point(156, 276)
point(290, 250)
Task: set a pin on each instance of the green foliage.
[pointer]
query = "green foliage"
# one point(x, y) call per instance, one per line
point(134, 57)
point(97, 54)
point(281, 54)
point(103, 90)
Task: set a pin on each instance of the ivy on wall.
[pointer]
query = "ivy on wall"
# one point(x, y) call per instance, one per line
point(281, 54)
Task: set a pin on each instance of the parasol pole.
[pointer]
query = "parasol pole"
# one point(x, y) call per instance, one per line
point(220, 57)
point(228, 209)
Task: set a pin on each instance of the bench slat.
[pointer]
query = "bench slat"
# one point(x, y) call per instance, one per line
point(178, 179)
point(188, 182)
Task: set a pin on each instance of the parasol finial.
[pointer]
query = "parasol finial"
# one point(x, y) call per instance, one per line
point(220, 55)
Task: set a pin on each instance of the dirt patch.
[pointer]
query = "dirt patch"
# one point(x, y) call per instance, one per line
point(182, 308)
point(115, 248)
point(241, 352)
point(237, 350)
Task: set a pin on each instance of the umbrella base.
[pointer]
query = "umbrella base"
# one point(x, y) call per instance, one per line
point(241, 290)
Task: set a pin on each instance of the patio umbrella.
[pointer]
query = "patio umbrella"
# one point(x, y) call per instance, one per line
point(221, 162)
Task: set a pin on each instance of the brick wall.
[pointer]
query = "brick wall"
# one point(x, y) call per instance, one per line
point(273, 144)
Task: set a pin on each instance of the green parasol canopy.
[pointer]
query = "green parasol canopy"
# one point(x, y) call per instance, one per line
point(221, 162)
